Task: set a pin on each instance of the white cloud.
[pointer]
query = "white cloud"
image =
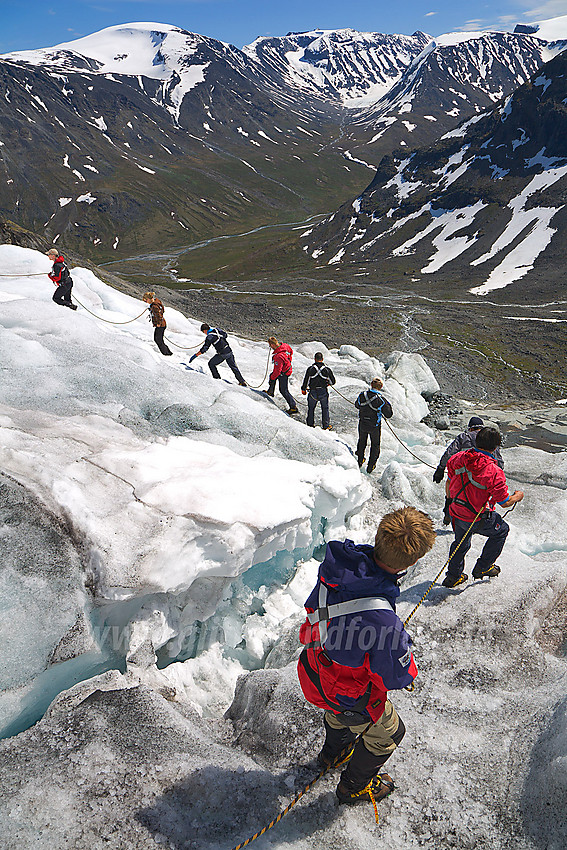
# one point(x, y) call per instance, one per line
point(428, 14)
point(547, 9)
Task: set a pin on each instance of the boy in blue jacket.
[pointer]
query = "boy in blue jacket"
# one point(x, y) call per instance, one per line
point(356, 648)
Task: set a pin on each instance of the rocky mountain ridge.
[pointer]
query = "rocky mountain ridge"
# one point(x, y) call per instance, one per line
point(151, 136)
point(480, 208)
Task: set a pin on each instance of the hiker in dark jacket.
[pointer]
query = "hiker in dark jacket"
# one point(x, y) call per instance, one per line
point(218, 338)
point(466, 440)
point(156, 310)
point(371, 408)
point(356, 648)
point(62, 279)
point(317, 379)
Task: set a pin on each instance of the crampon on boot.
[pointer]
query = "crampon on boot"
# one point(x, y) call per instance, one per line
point(485, 572)
point(380, 786)
point(454, 581)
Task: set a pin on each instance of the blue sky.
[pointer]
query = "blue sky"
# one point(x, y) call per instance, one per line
point(41, 23)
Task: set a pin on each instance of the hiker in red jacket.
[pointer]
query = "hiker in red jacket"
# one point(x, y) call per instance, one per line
point(356, 648)
point(476, 483)
point(281, 372)
point(62, 279)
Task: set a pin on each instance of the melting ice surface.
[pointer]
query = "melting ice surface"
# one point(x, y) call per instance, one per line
point(188, 499)
point(161, 523)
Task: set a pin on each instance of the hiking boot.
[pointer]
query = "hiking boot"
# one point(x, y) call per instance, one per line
point(360, 462)
point(370, 469)
point(485, 572)
point(292, 410)
point(380, 786)
point(328, 428)
point(242, 384)
point(71, 306)
point(454, 581)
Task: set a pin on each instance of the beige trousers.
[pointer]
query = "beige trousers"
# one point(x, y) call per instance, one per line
point(377, 737)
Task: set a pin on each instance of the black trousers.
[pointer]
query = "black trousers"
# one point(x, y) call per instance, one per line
point(216, 359)
point(493, 527)
point(158, 339)
point(364, 432)
point(62, 294)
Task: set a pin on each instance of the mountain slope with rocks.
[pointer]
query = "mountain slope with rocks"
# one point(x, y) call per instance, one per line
point(152, 136)
point(478, 212)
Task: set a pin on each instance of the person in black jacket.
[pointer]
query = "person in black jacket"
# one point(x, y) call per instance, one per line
point(466, 440)
point(317, 379)
point(217, 337)
point(62, 279)
point(371, 408)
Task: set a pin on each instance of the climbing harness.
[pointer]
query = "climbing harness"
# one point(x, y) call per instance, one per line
point(341, 759)
point(391, 429)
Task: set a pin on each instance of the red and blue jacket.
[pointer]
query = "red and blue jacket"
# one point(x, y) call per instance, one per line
point(475, 480)
point(356, 647)
point(282, 361)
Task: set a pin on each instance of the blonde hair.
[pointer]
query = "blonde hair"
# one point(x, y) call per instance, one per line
point(53, 252)
point(376, 384)
point(272, 340)
point(403, 537)
point(148, 296)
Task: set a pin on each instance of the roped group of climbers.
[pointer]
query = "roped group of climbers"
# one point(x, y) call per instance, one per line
point(355, 646)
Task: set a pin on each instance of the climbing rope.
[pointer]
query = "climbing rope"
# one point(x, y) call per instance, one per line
point(445, 565)
point(31, 274)
point(341, 759)
point(108, 321)
point(391, 429)
point(184, 347)
point(265, 373)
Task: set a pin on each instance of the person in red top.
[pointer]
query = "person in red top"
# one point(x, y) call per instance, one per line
point(62, 279)
point(476, 483)
point(281, 372)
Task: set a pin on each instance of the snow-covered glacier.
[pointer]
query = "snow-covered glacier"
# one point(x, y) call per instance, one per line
point(159, 533)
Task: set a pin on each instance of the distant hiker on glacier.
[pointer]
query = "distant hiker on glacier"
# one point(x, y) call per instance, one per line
point(218, 338)
point(476, 483)
point(62, 279)
point(371, 408)
point(317, 379)
point(356, 648)
point(156, 310)
point(465, 440)
point(281, 372)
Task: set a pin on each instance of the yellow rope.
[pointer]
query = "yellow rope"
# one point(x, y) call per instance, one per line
point(446, 564)
point(341, 758)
